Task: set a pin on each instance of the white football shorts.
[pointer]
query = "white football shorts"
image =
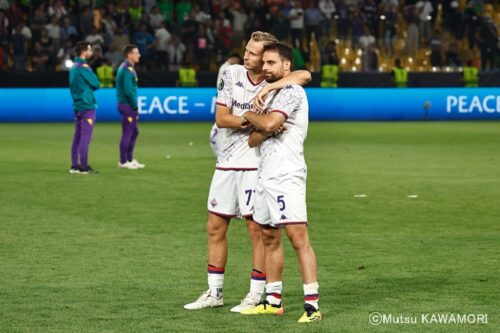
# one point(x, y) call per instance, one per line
point(232, 193)
point(281, 201)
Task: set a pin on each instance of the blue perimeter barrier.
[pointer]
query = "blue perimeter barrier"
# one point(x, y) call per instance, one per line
point(198, 104)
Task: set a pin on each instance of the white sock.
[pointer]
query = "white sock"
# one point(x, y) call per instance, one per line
point(273, 292)
point(311, 295)
point(215, 280)
point(257, 282)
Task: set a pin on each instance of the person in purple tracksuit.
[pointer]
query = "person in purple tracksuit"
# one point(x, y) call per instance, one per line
point(82, 84)
point(126, 91)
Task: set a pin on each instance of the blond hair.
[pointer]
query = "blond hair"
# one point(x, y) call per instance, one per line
point(260, 36)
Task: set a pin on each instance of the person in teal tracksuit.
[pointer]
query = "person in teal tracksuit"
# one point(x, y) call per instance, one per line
point(126, 92)
point(82, 84)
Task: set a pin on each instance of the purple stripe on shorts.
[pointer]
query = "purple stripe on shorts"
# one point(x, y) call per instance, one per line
point(220, 214)
point(236, 169)
point(284, 224)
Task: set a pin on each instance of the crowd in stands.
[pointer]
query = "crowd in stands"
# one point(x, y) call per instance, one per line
point(365, 35)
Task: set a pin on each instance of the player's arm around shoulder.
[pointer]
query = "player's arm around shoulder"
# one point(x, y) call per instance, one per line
point(300, 77)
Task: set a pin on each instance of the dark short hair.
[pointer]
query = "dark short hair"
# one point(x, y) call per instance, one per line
point(234, 55)
point(285, 52)
point(81, 47)
point(128, 49)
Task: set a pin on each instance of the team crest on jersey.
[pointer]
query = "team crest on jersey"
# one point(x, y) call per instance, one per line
point(221, 85)
point(132, 70)
point(130, 119)
point(213, 202)
point(90, 121)
point(239, 84)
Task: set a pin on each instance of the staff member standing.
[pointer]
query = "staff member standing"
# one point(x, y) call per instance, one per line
point(400, 75)
point(470, 75)
point(126, 91)
point(82, 84)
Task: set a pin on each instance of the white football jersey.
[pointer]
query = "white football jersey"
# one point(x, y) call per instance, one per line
point(217, 136)
point(236, 91)
point(222, 68)
point(284, 154)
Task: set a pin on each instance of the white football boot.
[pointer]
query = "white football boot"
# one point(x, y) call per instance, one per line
point(206, 300)
point(249, 302)
point(127, 165)
point(137, 164)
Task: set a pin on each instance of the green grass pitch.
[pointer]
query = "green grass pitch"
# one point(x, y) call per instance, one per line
point(123, 251)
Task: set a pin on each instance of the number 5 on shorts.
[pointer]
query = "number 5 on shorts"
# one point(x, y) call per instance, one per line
point(281, 201)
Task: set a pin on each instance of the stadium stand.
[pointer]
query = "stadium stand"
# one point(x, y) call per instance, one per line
point(428, 36)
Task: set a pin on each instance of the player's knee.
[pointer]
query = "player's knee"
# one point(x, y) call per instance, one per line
point(255, 236)
point(271, 238)
point(299, 241)
point(254, 232)
point(215, 230)
point(271, 243)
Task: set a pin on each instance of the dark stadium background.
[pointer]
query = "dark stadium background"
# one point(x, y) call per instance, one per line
point(362, 37)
